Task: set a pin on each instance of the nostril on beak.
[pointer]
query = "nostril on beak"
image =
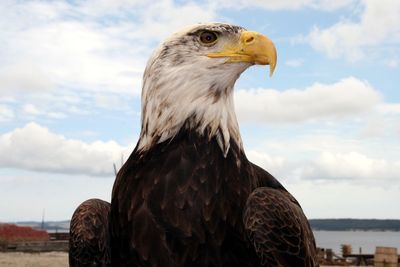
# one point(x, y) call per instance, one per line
point(249, 40)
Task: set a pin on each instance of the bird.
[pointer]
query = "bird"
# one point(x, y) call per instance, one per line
point(188, 195)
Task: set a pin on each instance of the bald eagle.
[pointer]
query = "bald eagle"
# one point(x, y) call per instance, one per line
point(188, 195)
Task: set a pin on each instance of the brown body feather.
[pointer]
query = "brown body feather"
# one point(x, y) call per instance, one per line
point(278, 229)
point(89, 235)
point(182, 204)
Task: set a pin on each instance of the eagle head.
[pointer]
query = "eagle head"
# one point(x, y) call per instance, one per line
point(189, 80)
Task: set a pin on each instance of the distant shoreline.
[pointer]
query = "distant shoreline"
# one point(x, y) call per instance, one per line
point(341, 224)
point(355, 225)
point(355, 230)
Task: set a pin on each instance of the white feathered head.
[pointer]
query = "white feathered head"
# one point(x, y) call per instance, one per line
point(189, 79)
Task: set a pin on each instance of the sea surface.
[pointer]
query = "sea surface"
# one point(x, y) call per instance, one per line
point(366, 240)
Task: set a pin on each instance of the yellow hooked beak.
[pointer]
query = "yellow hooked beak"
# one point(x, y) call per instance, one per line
point(252, 47)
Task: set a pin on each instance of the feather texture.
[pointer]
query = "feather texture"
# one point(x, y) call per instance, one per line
point(278, 229)
point(196, 207)
point(89, 235)
point(185, 202)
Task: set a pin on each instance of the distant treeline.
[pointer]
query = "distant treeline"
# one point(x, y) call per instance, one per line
point(355, 224)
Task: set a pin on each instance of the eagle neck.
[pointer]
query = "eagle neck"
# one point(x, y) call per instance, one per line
point(211, 114)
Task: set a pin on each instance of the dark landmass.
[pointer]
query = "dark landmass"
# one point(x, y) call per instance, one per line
point(50, 226)
point(316, 224)
point(355, 225)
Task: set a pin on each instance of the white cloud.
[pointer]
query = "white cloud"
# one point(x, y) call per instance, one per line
point(327, 159)
point(99, 8)
point(340, 199)
point(297, 62)
point(34, 147)
point(351, 166)
point(112, 101)
point(31, 109)
point(389, 108)
point(348, 96)
point(326, 5)
point(382, 123)
point(78, 54)
point(6, 113)
point(269, 5)
point(56, 115)
point(330, 5)
point(379, 24)
point(24, 77)
point(374, 128)
point(65, 58)
point(316, 157)
point(92, 45)
point(393, 63)
point(274, 165)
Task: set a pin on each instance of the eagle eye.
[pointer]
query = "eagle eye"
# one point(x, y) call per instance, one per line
point(208, 37)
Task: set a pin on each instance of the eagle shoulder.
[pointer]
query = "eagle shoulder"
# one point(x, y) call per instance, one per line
point(278, 229)
point(89, 234)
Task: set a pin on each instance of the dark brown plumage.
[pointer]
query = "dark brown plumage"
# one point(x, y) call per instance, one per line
point(89, 235)
point(187, 195)
point(187, 209)
point(278, 229)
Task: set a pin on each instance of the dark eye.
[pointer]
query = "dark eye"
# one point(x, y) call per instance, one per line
point(208, 37)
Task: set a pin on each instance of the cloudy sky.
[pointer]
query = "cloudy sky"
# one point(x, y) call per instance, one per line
point(327, 124)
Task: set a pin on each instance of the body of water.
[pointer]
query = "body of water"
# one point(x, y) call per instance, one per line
point(366, 240)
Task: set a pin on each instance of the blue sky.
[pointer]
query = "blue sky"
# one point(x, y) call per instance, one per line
point(327, 124)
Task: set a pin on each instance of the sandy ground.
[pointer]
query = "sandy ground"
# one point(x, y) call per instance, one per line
point(49, 259)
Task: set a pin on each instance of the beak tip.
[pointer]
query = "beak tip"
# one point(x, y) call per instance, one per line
point(271, 70)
